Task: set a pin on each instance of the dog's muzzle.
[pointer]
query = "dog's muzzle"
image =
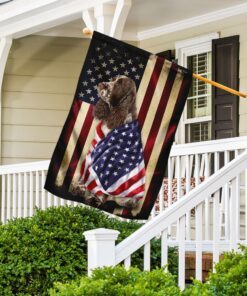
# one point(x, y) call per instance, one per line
point(105, 91)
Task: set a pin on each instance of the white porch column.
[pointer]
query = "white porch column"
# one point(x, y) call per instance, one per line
point(5, 45)
point(101, 247)
point(108, 18)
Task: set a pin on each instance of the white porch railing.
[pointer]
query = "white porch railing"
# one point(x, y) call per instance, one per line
point(101, 246)
point(22, 185)
point(188, 166)
point(22, 190)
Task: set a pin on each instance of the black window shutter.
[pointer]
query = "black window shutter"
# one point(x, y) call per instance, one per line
point(225, 70)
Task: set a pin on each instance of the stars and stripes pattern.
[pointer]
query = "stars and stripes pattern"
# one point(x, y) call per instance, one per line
point(114, 164)
point(104, 63)
point(162, 89)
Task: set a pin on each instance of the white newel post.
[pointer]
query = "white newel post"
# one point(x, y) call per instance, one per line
point(101, 247)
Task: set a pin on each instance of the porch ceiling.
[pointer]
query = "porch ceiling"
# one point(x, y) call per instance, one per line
point(146, 18)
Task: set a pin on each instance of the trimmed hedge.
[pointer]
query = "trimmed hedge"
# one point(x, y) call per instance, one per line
point(116, 281)
point(229, 279)
point(50, 247)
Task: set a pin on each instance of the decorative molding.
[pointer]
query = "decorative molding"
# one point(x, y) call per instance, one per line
point(192, 46)
point(196, 40)
point(193, 22)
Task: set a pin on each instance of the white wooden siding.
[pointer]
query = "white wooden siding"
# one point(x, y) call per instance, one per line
point(39, 84)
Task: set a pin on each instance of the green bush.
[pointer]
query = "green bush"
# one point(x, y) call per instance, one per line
point(116, 281)
point(230, 277)
point(50, 247)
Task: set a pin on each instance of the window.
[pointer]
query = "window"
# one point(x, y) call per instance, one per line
point(195, 124)
point(198, 117)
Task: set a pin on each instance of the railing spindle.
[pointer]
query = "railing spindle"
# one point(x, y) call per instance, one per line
point(225, 201)
point(55, 198)
point(181, 257)
point(197, 180)
point(19, 195)
point(178, 179)
point(62, 202)
point(237, 201)
point(147, 250)
point(31, 198)
point(188, 180)
point(127, 262)
point(25, 205)
point(233, 220)
point(43, 200)
point(3, 205)
point(49, 198)
point(169, 186)
point(199, 242)
point(216, 228)
point(9, 205)
point(178, 175)
point(14, 197)
point(37, 204)
point(164, 248)
point(207, 208)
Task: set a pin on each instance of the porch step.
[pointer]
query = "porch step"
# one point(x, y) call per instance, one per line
point(190, 263)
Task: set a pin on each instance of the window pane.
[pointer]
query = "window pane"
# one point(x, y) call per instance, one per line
point(197, 132)
point(199, 100)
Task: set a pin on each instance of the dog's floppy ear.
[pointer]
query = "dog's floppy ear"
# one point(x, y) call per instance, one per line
point(132, 97)
point(101, 110)
point(130, 103)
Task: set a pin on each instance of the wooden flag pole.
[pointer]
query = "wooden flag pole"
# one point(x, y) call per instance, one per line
point(88, 32)
point(218, 85)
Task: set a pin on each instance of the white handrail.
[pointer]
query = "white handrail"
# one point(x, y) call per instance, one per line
point(180, 208)
point(209, 146)
point(24, 167)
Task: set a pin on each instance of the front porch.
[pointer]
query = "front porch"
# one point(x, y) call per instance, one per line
point(200, 209)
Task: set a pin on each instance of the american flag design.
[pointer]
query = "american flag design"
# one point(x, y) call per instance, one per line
point(115, 164)
point(127, 163)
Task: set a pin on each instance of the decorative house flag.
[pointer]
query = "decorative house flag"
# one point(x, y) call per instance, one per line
point(113, 149)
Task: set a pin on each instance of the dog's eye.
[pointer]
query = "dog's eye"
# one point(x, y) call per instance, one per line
point(114, 79)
